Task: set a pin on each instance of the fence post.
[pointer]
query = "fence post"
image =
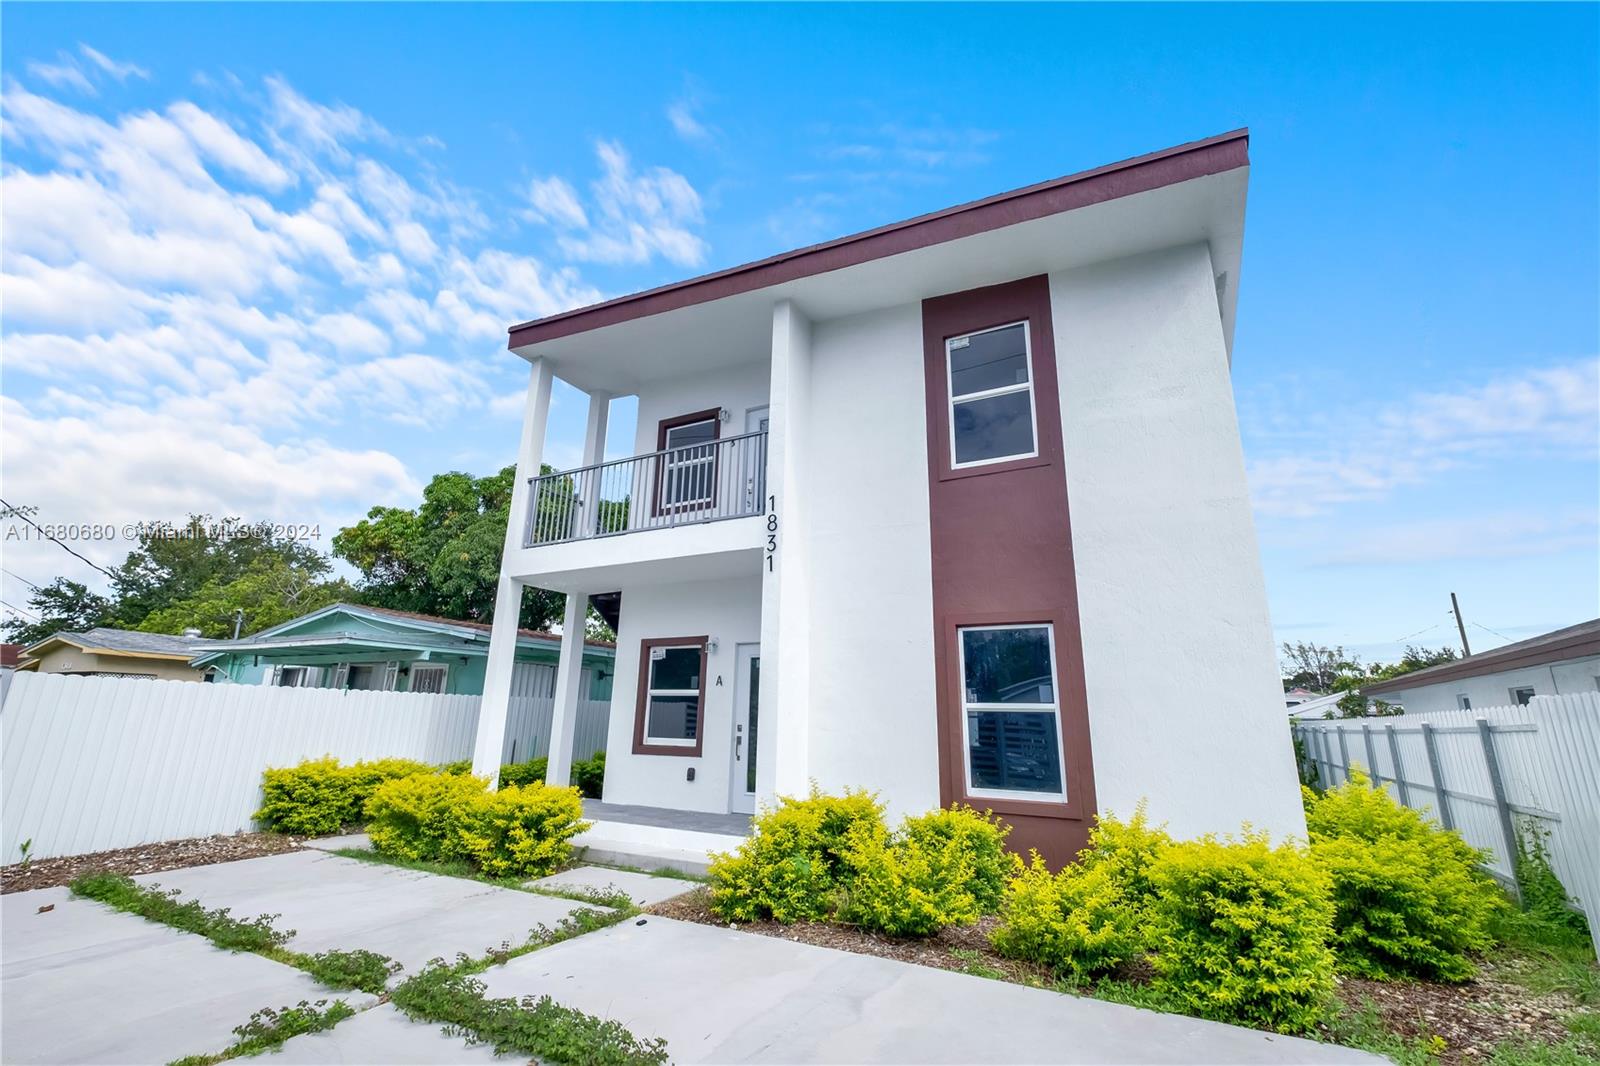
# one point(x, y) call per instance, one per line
point(1438, 777)
point(1344, 755)
point(1399, 767)
point(1372, 756)
point(1503, 808)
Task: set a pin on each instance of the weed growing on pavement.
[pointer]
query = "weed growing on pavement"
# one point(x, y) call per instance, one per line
point(218, 926)
point(267, 1030)
point(367, 971)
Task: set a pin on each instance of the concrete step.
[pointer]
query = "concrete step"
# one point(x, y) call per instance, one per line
point(652, 847)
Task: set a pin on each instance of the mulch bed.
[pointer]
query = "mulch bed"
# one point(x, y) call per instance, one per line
point(1471, 1018)
point(145, 859)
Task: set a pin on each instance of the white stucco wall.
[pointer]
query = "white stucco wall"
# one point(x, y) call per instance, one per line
point(730, 612)
point(1494, 690)
point(1185, 704)
point(873, 714)
point(736, 388)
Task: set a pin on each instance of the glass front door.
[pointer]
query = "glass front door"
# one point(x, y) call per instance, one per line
point(746, 726)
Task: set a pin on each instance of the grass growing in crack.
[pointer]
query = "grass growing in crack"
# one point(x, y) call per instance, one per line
point(443, 869)
point(364, 970)
point(539, 1027)
point(609, 896)
point(581, 921)
point(218, 926)
point(268, 1029)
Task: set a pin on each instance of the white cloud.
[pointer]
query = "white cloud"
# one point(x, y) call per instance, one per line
point(642, 215)
point(68, 72)
point(119, 71)
point(1546, 411)
point(553, 200)
point(223, 144)
point(681, 113)
point(65, 73)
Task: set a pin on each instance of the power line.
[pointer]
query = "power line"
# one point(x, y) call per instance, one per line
point(22, 579)
point(1418, 633)
point(19, 610)
point(1496, 632)
point(70, 551)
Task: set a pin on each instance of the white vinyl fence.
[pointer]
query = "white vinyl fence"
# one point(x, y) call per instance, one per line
point(1493, 773)
point(94, 763)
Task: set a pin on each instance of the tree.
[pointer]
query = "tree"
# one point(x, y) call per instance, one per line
point(1354, 705)
point(274, 590)
point(1316, 667)
point(443, 557)
point(62, 606)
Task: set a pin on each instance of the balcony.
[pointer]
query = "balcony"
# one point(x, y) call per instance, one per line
point(690, 485)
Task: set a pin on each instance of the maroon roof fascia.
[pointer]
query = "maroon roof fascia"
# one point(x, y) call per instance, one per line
point(1169, 166)
point(1581, 641)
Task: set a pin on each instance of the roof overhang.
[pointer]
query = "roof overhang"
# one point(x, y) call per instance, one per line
point(1584, 644)
point(32, 654)
point(1189, 194)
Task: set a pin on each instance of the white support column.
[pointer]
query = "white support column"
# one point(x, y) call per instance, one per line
point(574, 623)
point(782, 758)
point(569, 680)
point(488, 748)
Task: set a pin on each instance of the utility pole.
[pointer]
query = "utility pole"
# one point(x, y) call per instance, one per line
point(1460, 627)
point(238, 620)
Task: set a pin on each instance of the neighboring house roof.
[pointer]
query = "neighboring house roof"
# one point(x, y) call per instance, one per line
point(1141, 174)
point(124, 642)
point(419, 631)
point(9, 654)
point(1574, 642)
point(1300, 695)
point(1317, 706)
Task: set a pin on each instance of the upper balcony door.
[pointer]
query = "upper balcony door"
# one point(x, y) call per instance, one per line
point(689, 465)
point(755, 481)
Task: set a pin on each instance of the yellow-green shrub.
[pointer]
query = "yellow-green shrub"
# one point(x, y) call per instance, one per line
point(319, 796)
point(521, 831)
point(1240, 932)
point(942, 868)
point(1127, 850)
point(1409, 897)
point(790, 868)
point(523, 773)
point(1080, 922)
point(415, 817)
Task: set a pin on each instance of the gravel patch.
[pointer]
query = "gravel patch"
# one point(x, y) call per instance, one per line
point(146, 859)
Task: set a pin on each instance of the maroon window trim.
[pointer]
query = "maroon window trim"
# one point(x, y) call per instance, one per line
point(640, 747)
point(657, 507)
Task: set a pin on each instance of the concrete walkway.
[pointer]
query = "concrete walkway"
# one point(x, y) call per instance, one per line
point(643, 889)
point(84, 984)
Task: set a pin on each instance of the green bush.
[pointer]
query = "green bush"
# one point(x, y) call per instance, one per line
point(517, 831)
point(791, 867)
point(1080, 922)
point(521, 831)
point(1409, 897)
point(589, 775)
point(1240, 932)
point(319, 796)
point(414, 817)
point(943, 868)
point(1128, 850)
point(523, 773)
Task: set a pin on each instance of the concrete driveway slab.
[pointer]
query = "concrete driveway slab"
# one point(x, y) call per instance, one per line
point(335, 902)
point(722, 996)
point(645, 889)
point(82, 983)
point(379, 1037)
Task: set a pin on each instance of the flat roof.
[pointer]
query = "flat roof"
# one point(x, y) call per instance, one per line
point(1143, 173)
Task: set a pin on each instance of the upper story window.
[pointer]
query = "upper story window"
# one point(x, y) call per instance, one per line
point(688, 477)
point(992, 416)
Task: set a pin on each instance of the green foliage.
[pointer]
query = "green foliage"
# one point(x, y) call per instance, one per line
point(367, 971)
point(218, 926)
point(523, 773)
point(589, 775)
point(943, 868)
point(1080, 922)
point(269, 1029)
point(319, 796)
point(1544, 897)
point(791, 867)
point(272, 589)
point(443, 557)
point(1240, 932)
point(538, 1028)
point(63, 606)
point(1129, 849)
point(521, 831)
point(1409, 898)
point(415, 817)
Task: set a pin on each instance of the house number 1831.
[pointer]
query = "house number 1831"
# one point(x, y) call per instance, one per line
point(772, 529)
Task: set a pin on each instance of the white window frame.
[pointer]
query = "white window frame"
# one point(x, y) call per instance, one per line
point(1463, 702)
point(1052, 709)
point(442, 669)
point(688, 467)
point(951, 399)
point(1516, 700)
point(651, 692)
point(302, 678)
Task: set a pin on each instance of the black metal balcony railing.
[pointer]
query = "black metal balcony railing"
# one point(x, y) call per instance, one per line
point(707, 482)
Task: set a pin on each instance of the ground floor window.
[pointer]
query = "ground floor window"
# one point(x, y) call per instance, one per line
point(295, 676)
point(1010, 712)
point(1521, 696)
point(428, 677)
point(671, 696)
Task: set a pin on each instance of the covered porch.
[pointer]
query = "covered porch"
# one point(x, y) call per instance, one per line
point(653, 838)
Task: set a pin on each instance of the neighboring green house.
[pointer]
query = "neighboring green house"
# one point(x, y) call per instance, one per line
point(352, 647)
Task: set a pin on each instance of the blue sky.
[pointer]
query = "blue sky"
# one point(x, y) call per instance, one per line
point(259, 259)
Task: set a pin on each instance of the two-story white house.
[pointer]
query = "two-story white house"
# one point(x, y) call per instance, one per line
point(953, 509)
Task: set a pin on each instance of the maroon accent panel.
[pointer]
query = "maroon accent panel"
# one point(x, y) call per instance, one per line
point(1002, 554)
point(1214, 155)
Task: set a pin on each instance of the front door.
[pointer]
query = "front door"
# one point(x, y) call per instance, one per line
point(746, 693)
point(755, 473)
